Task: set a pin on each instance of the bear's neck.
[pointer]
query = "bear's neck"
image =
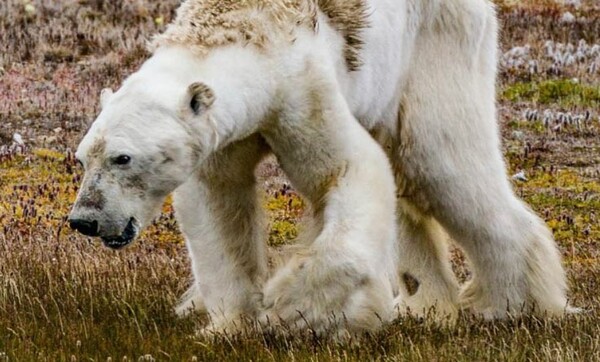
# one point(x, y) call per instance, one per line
point(243, 99)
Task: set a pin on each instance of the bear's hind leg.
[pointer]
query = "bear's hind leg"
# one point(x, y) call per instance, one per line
point(450, 149)
point(463, 185)
point(428, 285)
point(516, 265)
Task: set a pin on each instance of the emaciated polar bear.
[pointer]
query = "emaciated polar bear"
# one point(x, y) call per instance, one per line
point(231, 81)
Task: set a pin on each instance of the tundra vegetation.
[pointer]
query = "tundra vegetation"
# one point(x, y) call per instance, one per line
point(66, 297)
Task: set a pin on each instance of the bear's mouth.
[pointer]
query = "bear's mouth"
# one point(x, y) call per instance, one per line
point(126, 237)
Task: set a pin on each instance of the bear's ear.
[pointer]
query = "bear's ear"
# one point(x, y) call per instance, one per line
point(201, 97)
point(105, 96)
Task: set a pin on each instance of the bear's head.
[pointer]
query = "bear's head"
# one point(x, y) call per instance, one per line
point(144, 144)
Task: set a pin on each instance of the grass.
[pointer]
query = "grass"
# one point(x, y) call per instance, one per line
point(65, 297)
point(565, 93)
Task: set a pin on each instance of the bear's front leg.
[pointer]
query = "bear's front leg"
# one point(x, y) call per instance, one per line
point(345, 278)
point(330, 292)
point(221, 218)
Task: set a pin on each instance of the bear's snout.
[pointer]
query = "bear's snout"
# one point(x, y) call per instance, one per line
point(87, 228)
point(126, 237)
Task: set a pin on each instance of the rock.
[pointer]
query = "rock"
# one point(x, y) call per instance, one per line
point(18, 139)
point(567, 18)
point(520, 176)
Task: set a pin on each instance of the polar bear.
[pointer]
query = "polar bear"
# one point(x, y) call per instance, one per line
point(382, 114)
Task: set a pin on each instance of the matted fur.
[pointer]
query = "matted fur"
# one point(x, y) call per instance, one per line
point(349, 17)
point(204, 24)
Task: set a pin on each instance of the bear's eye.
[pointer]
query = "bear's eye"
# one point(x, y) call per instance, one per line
point(122, 160)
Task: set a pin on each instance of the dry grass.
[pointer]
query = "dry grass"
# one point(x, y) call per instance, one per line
point(65, 297)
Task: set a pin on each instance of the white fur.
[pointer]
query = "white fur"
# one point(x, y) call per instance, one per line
point(426, 91)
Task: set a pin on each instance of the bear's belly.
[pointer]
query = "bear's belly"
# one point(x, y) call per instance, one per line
point(373, 92)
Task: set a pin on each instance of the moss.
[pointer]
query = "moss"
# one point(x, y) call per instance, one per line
point(37, 189)
point(47, 154)
point(287, 202)
point(568, 203)
point(536, 127)
point(565, 179)
point(564, 92)
point(285, 209)
point(282, 232)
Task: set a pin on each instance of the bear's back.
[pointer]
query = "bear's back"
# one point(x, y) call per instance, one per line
point(204, 24)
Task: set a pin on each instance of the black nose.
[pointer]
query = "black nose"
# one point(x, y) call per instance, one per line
point(89, 228)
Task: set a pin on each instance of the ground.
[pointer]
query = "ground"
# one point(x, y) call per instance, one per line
point(66, 297)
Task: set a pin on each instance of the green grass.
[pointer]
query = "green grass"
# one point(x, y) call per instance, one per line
point(564, 93)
